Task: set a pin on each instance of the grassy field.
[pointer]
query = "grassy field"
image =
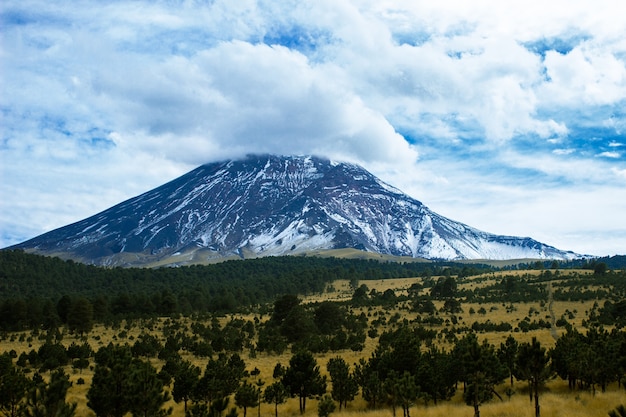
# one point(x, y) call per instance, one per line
point(557, 400)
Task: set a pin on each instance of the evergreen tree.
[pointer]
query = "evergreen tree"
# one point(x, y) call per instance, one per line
point(483, 371)
point(408, 392)
point(146, 345)
point(271, 339)
point(283, 306)
point(603, 361)
point(52, 355)
point(567, 357)
point(108, 395)
point(48, 400)
point(325, 406)
point(185, 380)
point(373, 389)
point(391, 385)
point(79, 355)
point(218, 406)
point(198, 410)
point(247, 395)
point(303, 378)
point(51, 319)
point(80, 316)
point(146, 391)
point(13, 386)
point(259, 383)
point(344, 386)
point(328, 317)
point(436, 375)
point(221, 378)
point(298, 325)
point(63, 307)
point(508, 355)
point(275, 394)
point(279, 371)
point(459, 354)
point(533, 365)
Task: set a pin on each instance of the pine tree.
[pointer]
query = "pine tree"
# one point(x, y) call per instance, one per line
point(344, 386)
point(221, 379)
point(533, 366)
point(482, 369)
point(275, 394)
point(13, 386)
point(566, 357)
point(303, 378)
point(436, 375)
point(391, 387)
point(247, 396)
point(218, 406)
point(185, 380)
point(373, 390)
point(508, 355)
point(325, 406)
point(108, 395)
point(146, 391)
point(80, 316)
point(48, 400)
point(408, 392)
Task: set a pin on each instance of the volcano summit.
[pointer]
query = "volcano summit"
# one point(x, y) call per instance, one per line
point(267, 205)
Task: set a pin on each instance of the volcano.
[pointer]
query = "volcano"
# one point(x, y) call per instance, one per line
point(267, 205)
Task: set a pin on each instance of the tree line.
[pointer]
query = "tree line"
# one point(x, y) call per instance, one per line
point(79, 313)
point(37, 290)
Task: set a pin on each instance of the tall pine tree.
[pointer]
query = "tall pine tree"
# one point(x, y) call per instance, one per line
point(303, 378)
point(533, 365)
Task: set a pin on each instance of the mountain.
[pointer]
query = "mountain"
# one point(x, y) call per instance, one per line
point(272, 205)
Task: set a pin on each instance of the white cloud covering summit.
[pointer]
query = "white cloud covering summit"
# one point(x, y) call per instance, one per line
point(508, 116)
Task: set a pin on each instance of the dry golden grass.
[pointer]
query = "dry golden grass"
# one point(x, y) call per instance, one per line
point(558, 401)
point(343, 292)
point(553, 404)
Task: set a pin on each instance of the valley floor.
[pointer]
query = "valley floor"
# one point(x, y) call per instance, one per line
point(556, 400)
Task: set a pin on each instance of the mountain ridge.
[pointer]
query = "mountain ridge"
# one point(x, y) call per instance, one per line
point(266, 205)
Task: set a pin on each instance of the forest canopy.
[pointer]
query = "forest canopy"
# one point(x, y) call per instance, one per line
point(29, 283)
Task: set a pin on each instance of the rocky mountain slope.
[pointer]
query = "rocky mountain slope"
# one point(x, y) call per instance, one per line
point(271, 205)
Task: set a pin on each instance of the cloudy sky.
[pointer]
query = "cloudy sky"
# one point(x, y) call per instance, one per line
point(507, 116)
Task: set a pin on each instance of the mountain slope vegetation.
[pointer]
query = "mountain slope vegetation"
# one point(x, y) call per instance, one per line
point(222, 287)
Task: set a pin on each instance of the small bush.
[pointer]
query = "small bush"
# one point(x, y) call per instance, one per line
point(325, 406)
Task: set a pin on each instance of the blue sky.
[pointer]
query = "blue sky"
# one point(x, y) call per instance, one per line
point(507, 116)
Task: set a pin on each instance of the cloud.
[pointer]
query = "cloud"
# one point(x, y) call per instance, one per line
point(621, 173)
point(237, 98)
point(461, 104)
point(563, 151)
point(587, 74)
point(614, 155)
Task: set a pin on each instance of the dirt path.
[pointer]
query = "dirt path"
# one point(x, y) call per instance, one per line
point(552, 315)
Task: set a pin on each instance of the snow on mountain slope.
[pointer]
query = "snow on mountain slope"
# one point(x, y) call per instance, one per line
point(271, 205)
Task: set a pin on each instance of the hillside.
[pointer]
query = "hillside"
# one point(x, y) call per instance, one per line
point(417, 327)
point(222, 287)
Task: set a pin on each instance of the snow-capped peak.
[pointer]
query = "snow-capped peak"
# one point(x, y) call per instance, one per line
point(272, 205)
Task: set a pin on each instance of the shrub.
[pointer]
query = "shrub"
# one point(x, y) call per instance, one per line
point(325, 406)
